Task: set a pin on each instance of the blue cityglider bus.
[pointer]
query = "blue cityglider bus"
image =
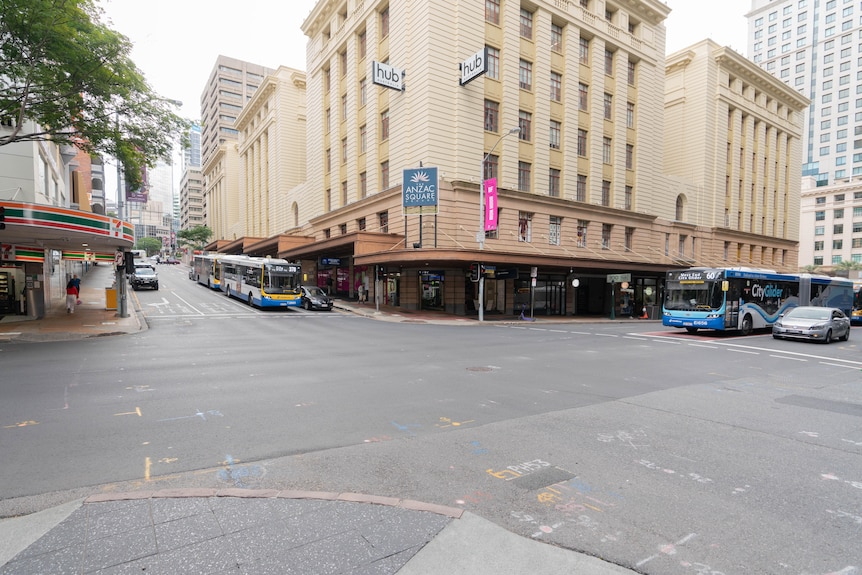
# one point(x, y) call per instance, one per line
point(744, 299)
point(262, 282)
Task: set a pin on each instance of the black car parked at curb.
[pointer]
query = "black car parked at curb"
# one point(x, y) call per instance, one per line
point(314, 297)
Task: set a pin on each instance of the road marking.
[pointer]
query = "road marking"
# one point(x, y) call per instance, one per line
point(188, 304)
point(790, 358)
point(147, 466)
point(702, 345)
point(838, 365)
point(607, 335)
point(136, 412)
point(744, 351)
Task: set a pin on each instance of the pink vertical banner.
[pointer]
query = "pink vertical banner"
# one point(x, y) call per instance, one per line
point(490, 186)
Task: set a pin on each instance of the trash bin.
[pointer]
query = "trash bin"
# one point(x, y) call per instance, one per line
point(110, 298)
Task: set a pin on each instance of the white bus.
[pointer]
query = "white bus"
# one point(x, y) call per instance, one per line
point(206, 270)
point(262, 282)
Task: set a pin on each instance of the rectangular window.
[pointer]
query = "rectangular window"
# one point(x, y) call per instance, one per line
point(556, 38)
point(344, 150)
point(525, 75)
point(554, 135)
point(384, 125)
point(384, 22)
point(524, 176)
point(491, 167)
point(819, 216)
point(582, 233)
point(555, 224)
point(630, 234)
point(608, 106)
point(493, 64)
point(492, 116)
point(492, 11)
point(606, 150)
point(584, 51)
point(360, 224)
point(525, 122)
point(526, 24)
point(361, 44)
point(363, 91)
point(609, 62)
point(328, 160)
point(554, 183)
point(606, 236)
point(343, 193)
point(628, 199)
point(581, 189)
point(818, 246)
point(343, 61)
point(583, 96)
point(630, 157)
point(384, 175)
point(838, 229)
point(837, 245)
point(606, 193)
point(363, 185)
point(631, 73)
point(556, 87)
point(630, 115)
point(343, 107)
point(363, 139)
point(383, 222)
point(525, 226)
point(582, 143)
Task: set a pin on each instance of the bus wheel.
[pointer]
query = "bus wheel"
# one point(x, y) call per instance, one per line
point(691, 329)
point(746, 325)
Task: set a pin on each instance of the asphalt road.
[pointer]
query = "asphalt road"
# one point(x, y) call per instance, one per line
point(656, 450)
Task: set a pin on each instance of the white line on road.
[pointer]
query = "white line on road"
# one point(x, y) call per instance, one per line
point(838, 365)
point(744, 351)
point(701, 345)
point(788, 358)
point(188, 304)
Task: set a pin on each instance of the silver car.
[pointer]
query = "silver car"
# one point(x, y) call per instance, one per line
point(813, 323)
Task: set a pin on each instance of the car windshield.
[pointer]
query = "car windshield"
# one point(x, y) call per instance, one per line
point(810, 313)
point(315, 291)
point(145, 272)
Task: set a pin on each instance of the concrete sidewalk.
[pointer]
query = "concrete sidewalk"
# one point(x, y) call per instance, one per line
point(90, 319)
point(183, 531)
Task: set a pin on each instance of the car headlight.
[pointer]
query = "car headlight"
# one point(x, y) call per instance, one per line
point(819, 326)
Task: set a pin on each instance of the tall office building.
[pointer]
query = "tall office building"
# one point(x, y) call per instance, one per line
point(813, 46)
point(231, 84)
point(192, 154)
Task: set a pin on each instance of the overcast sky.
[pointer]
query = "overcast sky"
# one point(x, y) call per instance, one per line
point(177, 41)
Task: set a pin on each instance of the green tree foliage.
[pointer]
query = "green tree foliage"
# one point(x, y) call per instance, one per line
point(68, 78)
point(152, 245)
point(196, 237)
point(810, 269)
point(848, 265)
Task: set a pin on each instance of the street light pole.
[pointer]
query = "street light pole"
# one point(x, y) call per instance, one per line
point(480, 235)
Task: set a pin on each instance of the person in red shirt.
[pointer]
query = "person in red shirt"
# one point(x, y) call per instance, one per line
point(71, 295)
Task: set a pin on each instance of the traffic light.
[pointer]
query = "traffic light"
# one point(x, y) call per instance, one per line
point(2, 217)
point(129, 262)
point(475, 270)
point(381, 273)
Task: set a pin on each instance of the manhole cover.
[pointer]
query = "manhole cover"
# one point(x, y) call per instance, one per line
point(480, 368)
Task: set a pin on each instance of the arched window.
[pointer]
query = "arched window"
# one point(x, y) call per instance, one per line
point(680, 208)
point(295, 209)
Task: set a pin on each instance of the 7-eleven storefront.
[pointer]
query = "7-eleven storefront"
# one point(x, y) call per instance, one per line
point(42, 246)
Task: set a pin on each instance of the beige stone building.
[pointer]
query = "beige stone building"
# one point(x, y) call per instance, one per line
point(587, 220)
point(733, 138)
point(272, 154)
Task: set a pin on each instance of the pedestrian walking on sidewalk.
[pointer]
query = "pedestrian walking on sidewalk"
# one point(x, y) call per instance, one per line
point(72, 294)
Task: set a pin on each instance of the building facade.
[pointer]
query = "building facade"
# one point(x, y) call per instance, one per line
point(813, 46)
point(272, 156)
point(569, 114)
point(744, 190)
point(192, 199)
point(832, 223)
